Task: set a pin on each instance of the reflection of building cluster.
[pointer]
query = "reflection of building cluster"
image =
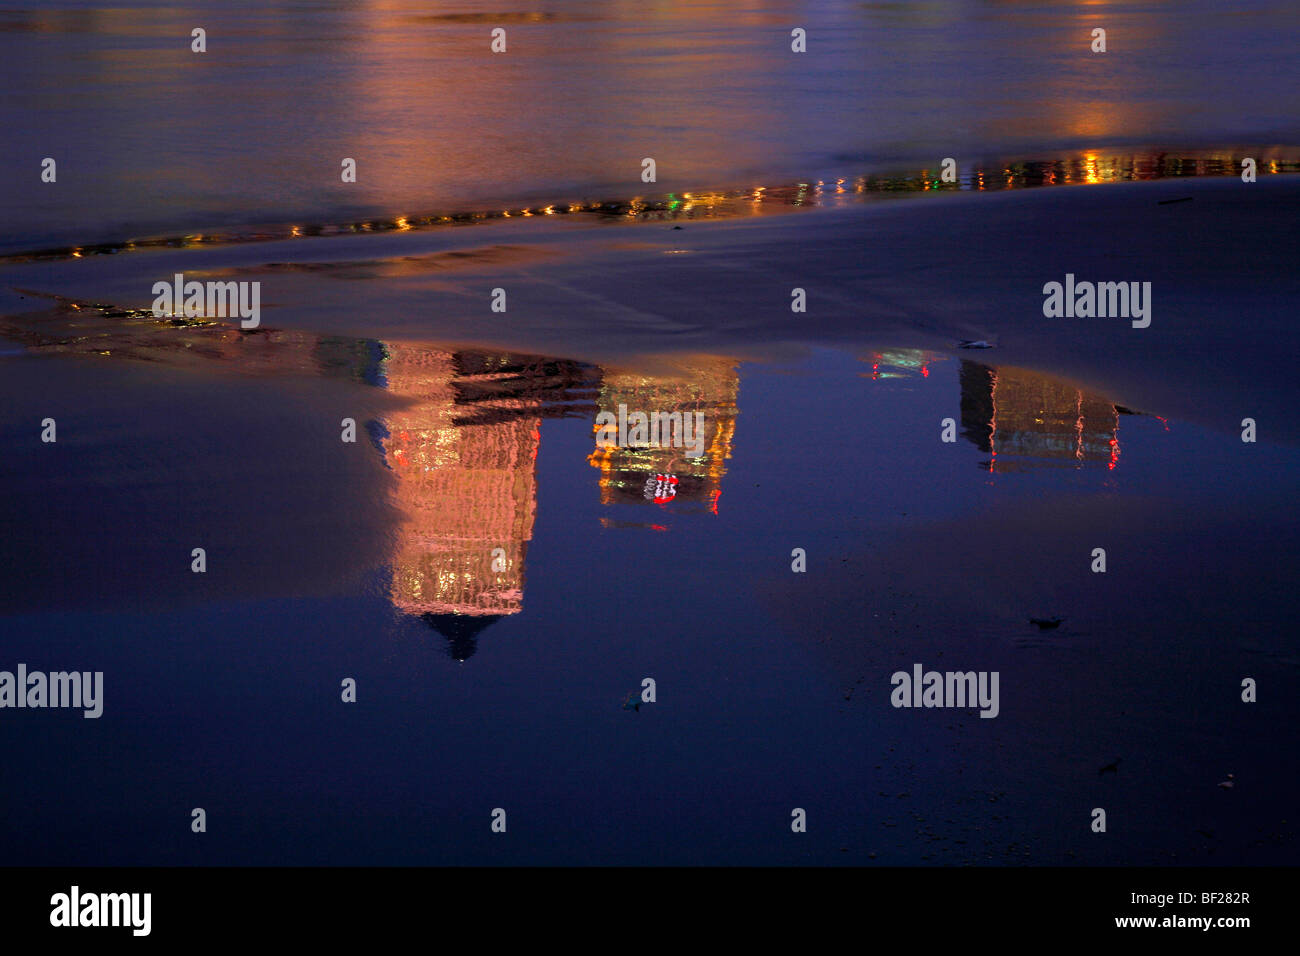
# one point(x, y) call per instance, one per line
point(1022, 418)
point(463, 447)
point(667, 474)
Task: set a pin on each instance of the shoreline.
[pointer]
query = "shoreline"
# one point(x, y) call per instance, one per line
point(916, 275)
point(1024, 170)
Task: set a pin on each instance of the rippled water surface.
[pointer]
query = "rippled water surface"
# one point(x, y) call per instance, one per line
point(152, 138)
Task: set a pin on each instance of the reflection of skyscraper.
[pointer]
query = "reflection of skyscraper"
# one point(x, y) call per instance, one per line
point(1022, 418)
point(464, 455)
point(670, 474)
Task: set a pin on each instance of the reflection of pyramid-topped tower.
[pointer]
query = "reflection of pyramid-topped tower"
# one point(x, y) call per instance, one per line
point(461, 630)
point(464, 453)
point(468, 492)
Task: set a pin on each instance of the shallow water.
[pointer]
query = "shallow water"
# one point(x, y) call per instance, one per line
point(483, 687)
point(153, 139)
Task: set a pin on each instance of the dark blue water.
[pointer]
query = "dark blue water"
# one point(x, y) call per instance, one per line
point(222, 690)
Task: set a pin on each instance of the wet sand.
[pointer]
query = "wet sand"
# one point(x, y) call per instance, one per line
point(923, 273)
